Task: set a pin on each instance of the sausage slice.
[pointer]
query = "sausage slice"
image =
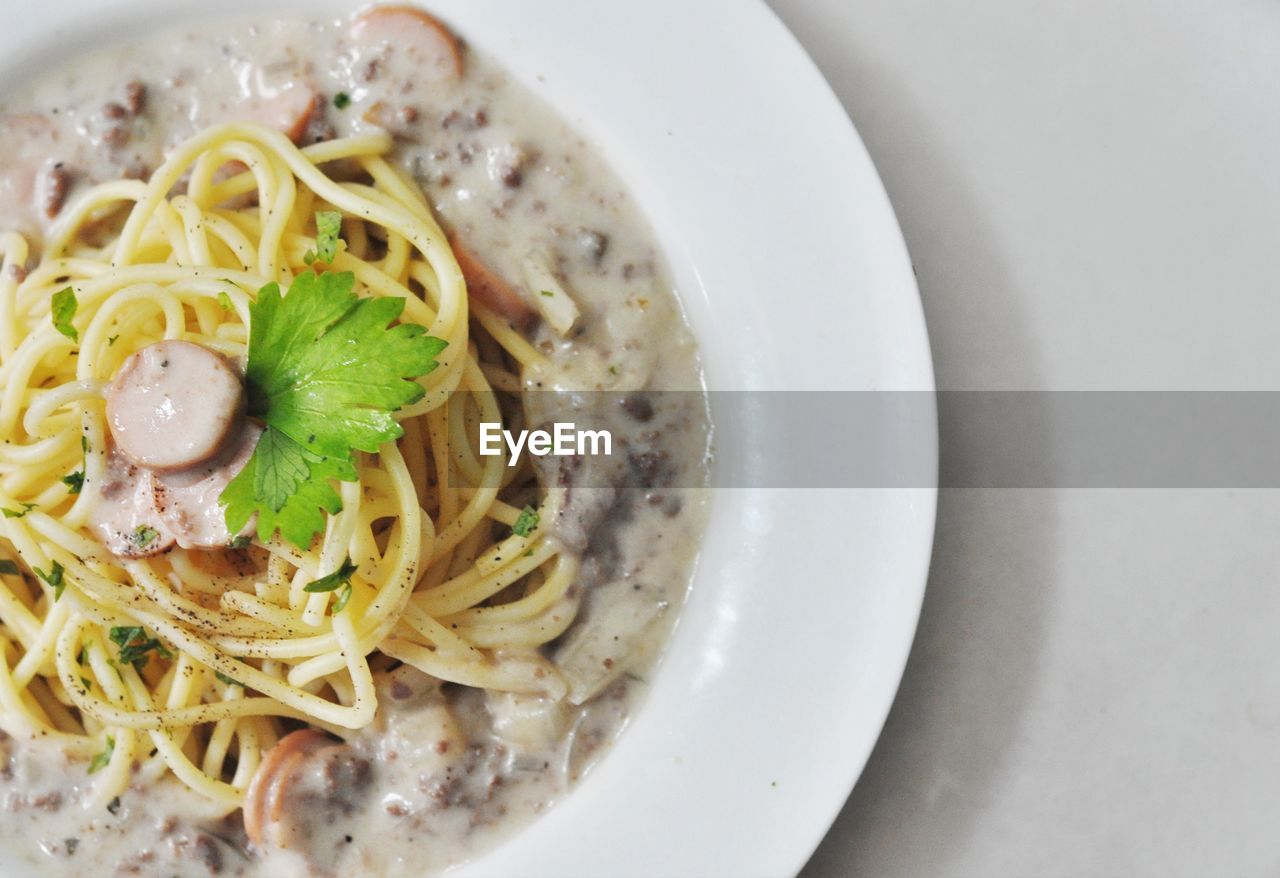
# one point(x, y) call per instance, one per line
point(188, 501)
point(304, 786)
point(485, 287)
point(127, 519)
point(173, 405)
point(424, 37)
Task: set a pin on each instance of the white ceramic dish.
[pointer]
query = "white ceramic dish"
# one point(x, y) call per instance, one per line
point(795, 277)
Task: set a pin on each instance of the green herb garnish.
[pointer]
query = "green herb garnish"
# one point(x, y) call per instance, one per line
point(225, 301)
point(527, 521)
point(326, 373)
point(548, 294)
point(230, 681)
point(144, 536)
point(344, 597)
point(62, 309)
point(135, 645)
point(14, 513)
point(74, 482)
point(328, 234)
point(239, 542)
point(54, 578)
point(111, 340)
point(87, 684)
point(104, 758)
point(337, 578)
point(342, 100)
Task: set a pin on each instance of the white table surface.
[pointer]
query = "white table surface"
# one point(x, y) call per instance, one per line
point(1091, 193)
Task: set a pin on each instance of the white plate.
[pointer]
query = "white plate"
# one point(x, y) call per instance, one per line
point(795, 276)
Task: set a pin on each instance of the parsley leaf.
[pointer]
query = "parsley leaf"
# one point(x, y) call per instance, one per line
point(334, 580)
point(135, 645)
point(327, 369)
point(74, 482)
point(328, 233)
point(14, 513)
point(342, 100)
point(224, 301)
point(326, 373)
point(288, 487)
point(104, 758)
point(230, 681)
point(527, 521)
point(62, 309)
point(344, 597)
point(144, 536)
point(54, 578)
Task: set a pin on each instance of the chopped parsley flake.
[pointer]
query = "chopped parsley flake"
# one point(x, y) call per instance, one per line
point(342, 100)
point(328, 234)
point(14, 513)
point(144, 536)
point(54, 578)
point(62, 310)
point(344, 597)
point(334, 580)
point(230, 681)
point(225, 301)
point(103, 759)
point(74, 482)
point(527, 521)
point(135, 645)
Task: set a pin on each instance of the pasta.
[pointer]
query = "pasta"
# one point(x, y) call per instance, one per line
point(245, 652)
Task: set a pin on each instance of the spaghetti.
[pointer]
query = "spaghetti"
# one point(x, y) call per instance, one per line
point(445, 581)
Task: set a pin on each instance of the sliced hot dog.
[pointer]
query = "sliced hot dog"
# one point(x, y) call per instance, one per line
point(173, 405)
point(127, 519)
point(262, 801)
point(431, 44)
point(188, 500)
point(490, 290)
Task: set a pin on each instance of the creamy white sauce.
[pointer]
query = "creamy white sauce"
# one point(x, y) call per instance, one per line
point(448, 772)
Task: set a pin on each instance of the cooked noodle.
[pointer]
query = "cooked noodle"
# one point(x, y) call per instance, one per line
point(434, 588)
